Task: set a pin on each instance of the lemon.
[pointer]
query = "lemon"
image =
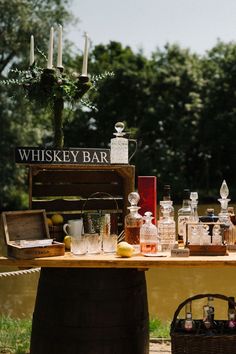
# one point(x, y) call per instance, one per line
point(57, 219)
point(49, 222)
point(124, 249)
point(67, 242)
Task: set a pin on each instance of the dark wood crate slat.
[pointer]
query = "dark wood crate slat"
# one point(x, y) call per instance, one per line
point(74, 176)
point(83, 190)
point(75, 205)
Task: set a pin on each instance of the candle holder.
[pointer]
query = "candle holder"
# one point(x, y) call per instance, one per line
point(52, 88)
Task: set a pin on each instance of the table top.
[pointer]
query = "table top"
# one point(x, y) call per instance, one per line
point(113, 261)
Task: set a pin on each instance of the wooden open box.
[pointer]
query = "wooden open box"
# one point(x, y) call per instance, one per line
point(73, 189)
point(28, 225)
point(206, 250)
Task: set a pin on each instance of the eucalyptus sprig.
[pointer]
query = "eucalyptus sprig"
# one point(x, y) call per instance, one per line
point(52, 88)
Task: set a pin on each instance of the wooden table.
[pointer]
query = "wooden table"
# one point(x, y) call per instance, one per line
point(97, 303)
point(113, 261)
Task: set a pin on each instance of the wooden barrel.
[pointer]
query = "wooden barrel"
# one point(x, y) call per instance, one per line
point(90, 311)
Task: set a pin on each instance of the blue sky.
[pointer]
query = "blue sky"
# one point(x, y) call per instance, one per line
point(149, 24)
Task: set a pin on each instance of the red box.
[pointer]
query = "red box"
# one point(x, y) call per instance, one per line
point(147, 189)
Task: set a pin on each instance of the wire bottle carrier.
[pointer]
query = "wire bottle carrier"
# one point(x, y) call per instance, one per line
point(219, 339)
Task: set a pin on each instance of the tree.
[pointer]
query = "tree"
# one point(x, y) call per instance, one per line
point(218, 119)
point(20, 123)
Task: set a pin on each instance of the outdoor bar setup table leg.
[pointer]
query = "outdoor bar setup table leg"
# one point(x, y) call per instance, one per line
point(90, 311)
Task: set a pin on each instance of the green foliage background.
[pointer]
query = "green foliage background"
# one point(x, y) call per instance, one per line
point(180, 106)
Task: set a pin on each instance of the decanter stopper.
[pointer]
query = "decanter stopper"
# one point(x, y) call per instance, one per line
point(133, 198)
point(119, 127)
point(224, 190)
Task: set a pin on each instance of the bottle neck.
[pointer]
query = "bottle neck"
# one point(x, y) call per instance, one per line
point(133, 210)
point(186, 203)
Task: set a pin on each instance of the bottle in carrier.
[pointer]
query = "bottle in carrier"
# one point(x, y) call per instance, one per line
point(231, 323)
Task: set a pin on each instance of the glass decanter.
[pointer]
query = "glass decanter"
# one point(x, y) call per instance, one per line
point(148, 235)
point(224, 216)
point(184, 214)
point(166, 198)
point(133, 222)
point(167, 227)
point(119, 145)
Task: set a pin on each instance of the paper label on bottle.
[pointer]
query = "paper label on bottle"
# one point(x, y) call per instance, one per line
point(182, 220)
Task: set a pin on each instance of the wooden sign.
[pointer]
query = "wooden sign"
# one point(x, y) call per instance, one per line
point(31, 155)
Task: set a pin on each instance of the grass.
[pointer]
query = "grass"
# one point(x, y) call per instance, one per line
point(15, 334)
point(158, 329)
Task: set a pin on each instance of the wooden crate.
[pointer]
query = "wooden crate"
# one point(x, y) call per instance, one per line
point(65, 189)
point(28, 225)
point(207, 250)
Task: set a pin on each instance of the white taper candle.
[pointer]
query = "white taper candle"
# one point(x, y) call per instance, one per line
point(50, 50)
point(31, 50)
point(85, 57)
point(59, 50)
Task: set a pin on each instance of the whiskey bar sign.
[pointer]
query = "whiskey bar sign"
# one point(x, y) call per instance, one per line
point(28, 155)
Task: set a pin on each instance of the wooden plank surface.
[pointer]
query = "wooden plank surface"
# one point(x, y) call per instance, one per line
point(113, 261)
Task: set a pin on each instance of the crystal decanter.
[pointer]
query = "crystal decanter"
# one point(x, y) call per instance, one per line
point(133, 222)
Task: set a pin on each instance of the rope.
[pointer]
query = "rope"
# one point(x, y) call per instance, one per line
point(19, 272)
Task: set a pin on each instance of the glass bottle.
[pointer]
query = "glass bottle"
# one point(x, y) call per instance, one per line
point(206, 317)
point(211, 308)
point(184, 214)
point(194, 202)
point(232, 215)
point(133, 222)
point(231, 324)
point(188, 323)
point(119, 146)
point(224, 216)
point(209, 217)
point(148, 235)
point(166, 227)
point(167, 197)
point(216, 238)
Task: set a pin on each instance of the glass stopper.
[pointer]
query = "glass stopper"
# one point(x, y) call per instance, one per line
point(224, 190)
point(194, 196)
point(133, 198)
point(119, 127)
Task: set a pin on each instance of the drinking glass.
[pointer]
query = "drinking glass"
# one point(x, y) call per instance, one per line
point(94, 243)
point(79, 245)
point(109, 243)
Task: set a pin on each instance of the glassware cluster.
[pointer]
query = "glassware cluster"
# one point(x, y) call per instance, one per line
point(192, 229)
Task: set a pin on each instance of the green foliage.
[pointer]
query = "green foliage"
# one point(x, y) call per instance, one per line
point(14, 335)
point(22, 124)
point(159, 329)
point(180, 106)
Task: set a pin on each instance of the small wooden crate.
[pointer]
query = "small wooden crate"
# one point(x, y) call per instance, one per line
point(28, 225)
point(207, 250)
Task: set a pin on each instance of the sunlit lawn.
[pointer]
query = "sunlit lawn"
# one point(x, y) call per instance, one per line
point(15, 334)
